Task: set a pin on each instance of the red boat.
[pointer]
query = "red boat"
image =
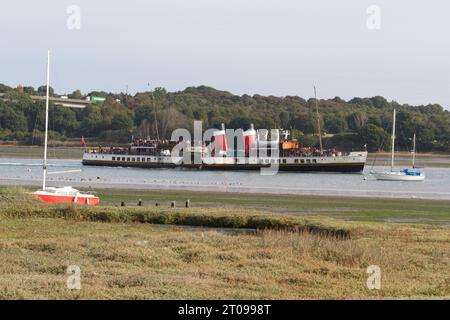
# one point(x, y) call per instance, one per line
point(59, 194)
point(66, 194)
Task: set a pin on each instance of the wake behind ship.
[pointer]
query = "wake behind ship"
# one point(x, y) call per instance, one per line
point(256, 153)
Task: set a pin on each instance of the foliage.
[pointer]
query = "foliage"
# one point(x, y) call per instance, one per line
point(375, 137)
point(347, 125)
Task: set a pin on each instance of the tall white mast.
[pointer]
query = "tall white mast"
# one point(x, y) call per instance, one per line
point(46, 120)
point(319, 131)
point(414, 151)
point(393, 140)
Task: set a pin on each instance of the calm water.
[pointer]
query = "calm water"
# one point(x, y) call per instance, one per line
point(29, 171)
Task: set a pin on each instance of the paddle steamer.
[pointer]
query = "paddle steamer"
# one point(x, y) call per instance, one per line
point(257, 152)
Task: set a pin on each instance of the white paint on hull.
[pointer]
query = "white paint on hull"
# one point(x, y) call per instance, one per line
point(353, 157)
point(397, 176)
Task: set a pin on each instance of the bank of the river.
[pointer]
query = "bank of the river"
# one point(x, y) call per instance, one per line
point(36, 152)
point(429, 160)
point(342, 208)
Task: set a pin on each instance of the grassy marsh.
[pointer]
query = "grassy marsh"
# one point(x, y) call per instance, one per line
point(123, 258)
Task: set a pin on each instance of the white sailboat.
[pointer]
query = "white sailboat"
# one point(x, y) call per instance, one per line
point(404, 174)
point(59, 194)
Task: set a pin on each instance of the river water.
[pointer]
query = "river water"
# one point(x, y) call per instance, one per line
point(29, 172)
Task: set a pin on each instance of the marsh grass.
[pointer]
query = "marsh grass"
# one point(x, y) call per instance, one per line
point(19, 204)
point(124, 254)
point(144, 261)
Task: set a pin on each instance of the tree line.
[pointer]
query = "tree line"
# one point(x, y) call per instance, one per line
point(353, 124)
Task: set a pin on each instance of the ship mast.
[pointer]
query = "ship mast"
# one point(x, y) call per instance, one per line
point(46, 121)
point(414, 151)
point(154, 109)
point(393, 140)
point(319, 133)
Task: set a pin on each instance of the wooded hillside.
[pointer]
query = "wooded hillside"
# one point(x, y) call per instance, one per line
point(345, 124)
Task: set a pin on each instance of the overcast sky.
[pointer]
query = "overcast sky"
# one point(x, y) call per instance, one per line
point(278, 47)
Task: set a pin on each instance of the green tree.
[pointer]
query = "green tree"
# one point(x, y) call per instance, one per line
point(335, 124)
point(305, 123)
point(4, 88)
point(42, 91)
point(240, 122)
point(92, 120)
point(63, 120)
point(29, 90)
point(122, 121)
point(375, 138)
point(76, 95)
point(12, 119)
point(357, 120)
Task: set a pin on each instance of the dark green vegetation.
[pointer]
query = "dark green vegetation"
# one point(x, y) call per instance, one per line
point(348, 124)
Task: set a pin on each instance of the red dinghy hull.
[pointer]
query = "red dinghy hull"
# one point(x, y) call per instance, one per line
point(92, 201)
point(66, 195)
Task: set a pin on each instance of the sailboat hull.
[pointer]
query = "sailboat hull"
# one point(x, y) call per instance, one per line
point(398, 176)
point(80, 198)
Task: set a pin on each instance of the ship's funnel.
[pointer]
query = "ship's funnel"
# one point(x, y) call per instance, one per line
point(220, 141)
point(249, 140)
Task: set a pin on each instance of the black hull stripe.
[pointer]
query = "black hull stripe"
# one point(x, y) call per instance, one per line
point(311, 167)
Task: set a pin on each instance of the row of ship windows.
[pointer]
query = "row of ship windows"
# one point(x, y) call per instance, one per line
point(131, 159)
point(260, 161)
point(285, 161)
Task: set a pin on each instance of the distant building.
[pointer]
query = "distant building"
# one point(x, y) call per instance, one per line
point(95, 99)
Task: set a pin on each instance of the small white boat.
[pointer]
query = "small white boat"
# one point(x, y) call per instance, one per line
point(404, 174)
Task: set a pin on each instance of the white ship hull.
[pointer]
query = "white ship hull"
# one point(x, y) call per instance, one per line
point(353, 162)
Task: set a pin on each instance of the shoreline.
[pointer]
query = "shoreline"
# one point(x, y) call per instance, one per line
point(387, 210)
point(235, 190)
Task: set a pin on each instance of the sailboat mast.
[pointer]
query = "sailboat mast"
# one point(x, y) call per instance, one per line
point(46, 121)
point(414, 151)
point(319, 131)
point(393, 140)
point(156, 121)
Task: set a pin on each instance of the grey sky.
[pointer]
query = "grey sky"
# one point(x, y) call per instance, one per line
point(278, 47)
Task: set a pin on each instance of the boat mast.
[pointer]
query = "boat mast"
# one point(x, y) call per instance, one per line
point(154, 109)
point(46, 121)
point(319, 133)
point(393, 140)
point(414, 151)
